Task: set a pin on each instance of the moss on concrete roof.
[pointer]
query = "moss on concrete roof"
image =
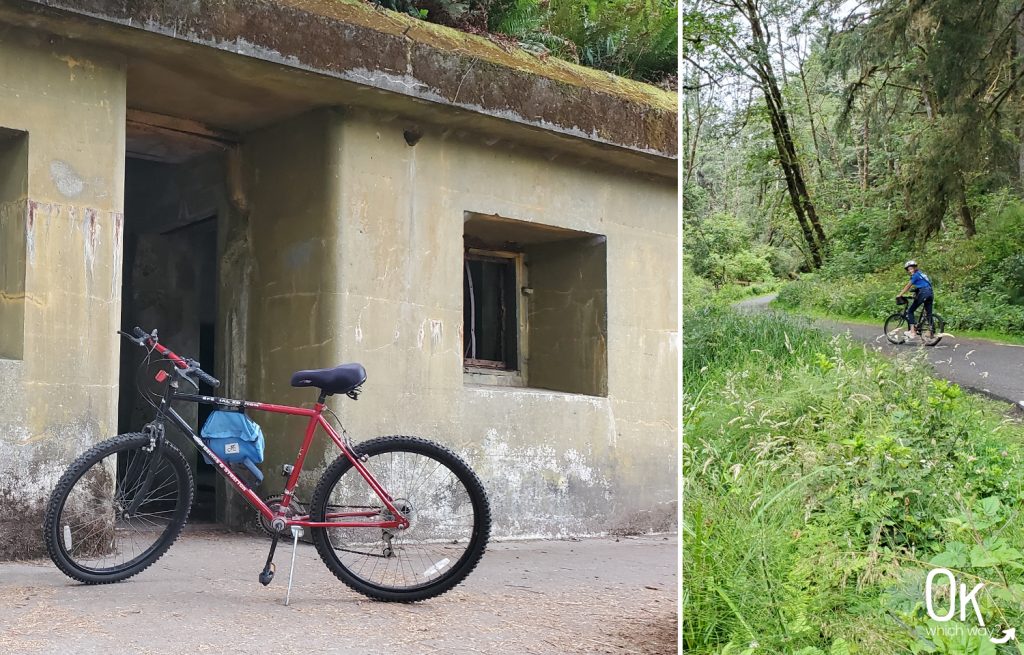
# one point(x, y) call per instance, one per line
point(363, 44)
point(479, 47)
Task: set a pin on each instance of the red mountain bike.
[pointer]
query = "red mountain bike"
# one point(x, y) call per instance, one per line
point(395, 518)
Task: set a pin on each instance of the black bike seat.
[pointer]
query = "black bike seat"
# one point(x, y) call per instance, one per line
point(340, 379)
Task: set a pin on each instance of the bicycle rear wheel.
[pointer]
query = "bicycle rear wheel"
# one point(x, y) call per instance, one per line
point(895, 328)
point(443, 499)
point(117, 509)
point(933, 331)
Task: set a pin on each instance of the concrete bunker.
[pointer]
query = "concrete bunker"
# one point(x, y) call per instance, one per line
point(318, 205)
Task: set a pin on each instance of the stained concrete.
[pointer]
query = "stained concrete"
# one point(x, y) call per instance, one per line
point(199, 61)
point(356, 242)
point(57, 399)
point(568, 319)
point(600, 459)
point(293, 192)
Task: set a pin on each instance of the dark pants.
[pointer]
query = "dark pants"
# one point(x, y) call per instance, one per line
point(922, 298)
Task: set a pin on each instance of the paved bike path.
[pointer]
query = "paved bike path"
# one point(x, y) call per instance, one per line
point(993, 368)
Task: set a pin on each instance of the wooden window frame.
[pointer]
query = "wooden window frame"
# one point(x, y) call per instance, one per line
point(518, 267)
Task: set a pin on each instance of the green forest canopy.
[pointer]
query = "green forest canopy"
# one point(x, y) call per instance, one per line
point(847, 134)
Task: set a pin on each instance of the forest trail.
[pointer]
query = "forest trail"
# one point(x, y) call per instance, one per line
point(990, 367)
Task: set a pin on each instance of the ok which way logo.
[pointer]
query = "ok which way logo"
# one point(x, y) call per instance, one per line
point(965, 598)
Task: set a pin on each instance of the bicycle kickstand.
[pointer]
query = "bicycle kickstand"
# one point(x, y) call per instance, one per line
point(269, 568)
point(296, 533)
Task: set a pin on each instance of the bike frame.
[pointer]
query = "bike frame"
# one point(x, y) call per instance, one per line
point(316, 419)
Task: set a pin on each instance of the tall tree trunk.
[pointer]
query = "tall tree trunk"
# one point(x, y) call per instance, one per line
point(966, 219)
point(782, 53)
point(799, 197)
point(926, 99)
point(810, 116)
point(691, 132)
point(799, 208)
point(865, 137)
point(789, 153)
point(1020, 124)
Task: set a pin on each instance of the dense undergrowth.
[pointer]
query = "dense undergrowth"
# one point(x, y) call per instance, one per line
point(823, 481)
point(979, 281)
point(698, 291)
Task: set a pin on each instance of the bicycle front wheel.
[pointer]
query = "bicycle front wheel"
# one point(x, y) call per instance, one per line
point(895, 328)
point(117, 509)
point(432, 487)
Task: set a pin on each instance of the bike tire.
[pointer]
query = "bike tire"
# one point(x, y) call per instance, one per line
point(437, 532)
point(84, 496)
point(894, 328)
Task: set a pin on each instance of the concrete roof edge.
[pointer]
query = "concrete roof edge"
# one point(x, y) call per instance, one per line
point(357, 42)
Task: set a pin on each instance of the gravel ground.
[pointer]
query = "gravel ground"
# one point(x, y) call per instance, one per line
point(612, 595)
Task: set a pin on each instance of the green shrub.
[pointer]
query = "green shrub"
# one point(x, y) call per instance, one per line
point(979, 282)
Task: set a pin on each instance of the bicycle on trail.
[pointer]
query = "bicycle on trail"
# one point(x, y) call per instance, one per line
point(930, 326)
point(395, 518)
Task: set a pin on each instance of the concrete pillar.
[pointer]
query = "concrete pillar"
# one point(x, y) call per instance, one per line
point(291, 188)
point(63, 107)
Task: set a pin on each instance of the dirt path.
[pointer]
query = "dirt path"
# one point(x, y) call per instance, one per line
point(592, 596)
point(993, 368)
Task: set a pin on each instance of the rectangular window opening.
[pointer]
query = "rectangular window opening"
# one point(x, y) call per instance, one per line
point(13, 241)
point(490, 311)
point(535, 305)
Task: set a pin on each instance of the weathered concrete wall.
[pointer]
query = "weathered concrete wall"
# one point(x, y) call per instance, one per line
point(555, 463)
point(568, 319)
point(338, 241)
point(292, 186)
point(355, 240)
point(61, 397)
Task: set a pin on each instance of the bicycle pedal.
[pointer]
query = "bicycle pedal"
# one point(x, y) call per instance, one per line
point(268, 574)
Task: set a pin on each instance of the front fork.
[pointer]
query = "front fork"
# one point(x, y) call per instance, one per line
point(151, 461)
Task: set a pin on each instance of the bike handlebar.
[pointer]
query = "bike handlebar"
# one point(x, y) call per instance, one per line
point(186, 366)
point(207, 378)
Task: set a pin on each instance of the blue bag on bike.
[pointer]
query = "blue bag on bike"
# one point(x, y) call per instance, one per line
point(236, 439)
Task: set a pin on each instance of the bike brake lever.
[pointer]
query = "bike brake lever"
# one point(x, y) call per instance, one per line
point(139, 341)
point(184, 373)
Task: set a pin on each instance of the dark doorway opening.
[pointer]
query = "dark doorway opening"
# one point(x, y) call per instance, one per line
point(169, 283)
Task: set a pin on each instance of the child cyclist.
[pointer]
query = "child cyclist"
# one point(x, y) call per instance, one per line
point(923, 294)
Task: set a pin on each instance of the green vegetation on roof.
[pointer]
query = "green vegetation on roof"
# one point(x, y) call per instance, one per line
point(490, 50)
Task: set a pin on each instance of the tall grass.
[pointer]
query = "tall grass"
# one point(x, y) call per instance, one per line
point(821, 479)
